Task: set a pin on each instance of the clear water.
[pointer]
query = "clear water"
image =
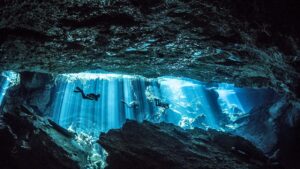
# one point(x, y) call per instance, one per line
point(191, 103)
point(7, 79)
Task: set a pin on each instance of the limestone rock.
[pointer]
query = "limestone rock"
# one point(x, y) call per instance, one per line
point(30, 141)
point(210, 40)
point(162, 146)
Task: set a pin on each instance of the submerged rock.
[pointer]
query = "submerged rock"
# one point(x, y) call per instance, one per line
point(30, 141)
point(274, 128)
point(160, 146)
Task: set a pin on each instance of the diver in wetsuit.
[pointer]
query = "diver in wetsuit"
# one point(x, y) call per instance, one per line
point(90, 96)
point(162, 108)
point(133, 104)
point(159, 103)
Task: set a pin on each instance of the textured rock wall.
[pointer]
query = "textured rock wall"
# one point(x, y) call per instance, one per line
point(245, 43)
point(30, 141)
point(253, 43)
point(165, 146)
point(35, 90)
point(274, 128)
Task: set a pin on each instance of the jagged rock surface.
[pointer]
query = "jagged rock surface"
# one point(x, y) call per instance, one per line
point(209, 40)
point(253, 43)
point(30, 141)
point(162, 146)
point(274, 128)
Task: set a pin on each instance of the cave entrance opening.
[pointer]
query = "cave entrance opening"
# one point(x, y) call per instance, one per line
point(185, 102)
point(188, 103)
point(191, 103)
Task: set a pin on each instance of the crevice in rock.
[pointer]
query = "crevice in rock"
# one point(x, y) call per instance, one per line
point(23, 33)
point(106, 19)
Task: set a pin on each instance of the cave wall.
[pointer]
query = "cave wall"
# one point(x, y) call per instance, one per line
point(251, 43)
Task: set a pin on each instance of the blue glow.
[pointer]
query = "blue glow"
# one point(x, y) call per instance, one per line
point(108, 112)
point(191, 103)
point(7, 79)
point(187, 99)
point(197, 54)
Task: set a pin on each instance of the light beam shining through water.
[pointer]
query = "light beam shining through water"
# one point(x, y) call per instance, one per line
point(191, 103)
point(7, 79)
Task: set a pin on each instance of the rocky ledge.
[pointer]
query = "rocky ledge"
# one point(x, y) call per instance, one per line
point(30, 141)
point(161, 146)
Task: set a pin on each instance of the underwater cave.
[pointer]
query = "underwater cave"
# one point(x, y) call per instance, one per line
point(152, 84)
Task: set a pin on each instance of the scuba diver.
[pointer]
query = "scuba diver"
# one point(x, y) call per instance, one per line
point(90, 96)
point(162, 108)
point(133, 104)
point(159, 103)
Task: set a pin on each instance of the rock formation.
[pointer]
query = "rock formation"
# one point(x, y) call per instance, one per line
point(250, 44)
point(246, 43)
point(30, 141)
point(274, 128)
point(162, 146)
point(35, 142)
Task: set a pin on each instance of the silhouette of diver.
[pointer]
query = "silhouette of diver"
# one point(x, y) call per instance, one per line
point(133, 104)
point(90, 96)
point(159, 103)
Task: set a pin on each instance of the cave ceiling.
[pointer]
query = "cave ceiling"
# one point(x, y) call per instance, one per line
point(206, 40)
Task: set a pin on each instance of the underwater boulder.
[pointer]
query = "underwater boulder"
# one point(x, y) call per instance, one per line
point(146, 145)
point(30, 141)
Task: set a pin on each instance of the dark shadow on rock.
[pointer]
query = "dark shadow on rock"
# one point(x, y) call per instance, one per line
point(163, 146)
point(30, 141)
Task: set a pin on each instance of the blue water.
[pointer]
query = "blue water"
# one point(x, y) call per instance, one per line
point(71, 110)
point(191, 103)
point(7, 79)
